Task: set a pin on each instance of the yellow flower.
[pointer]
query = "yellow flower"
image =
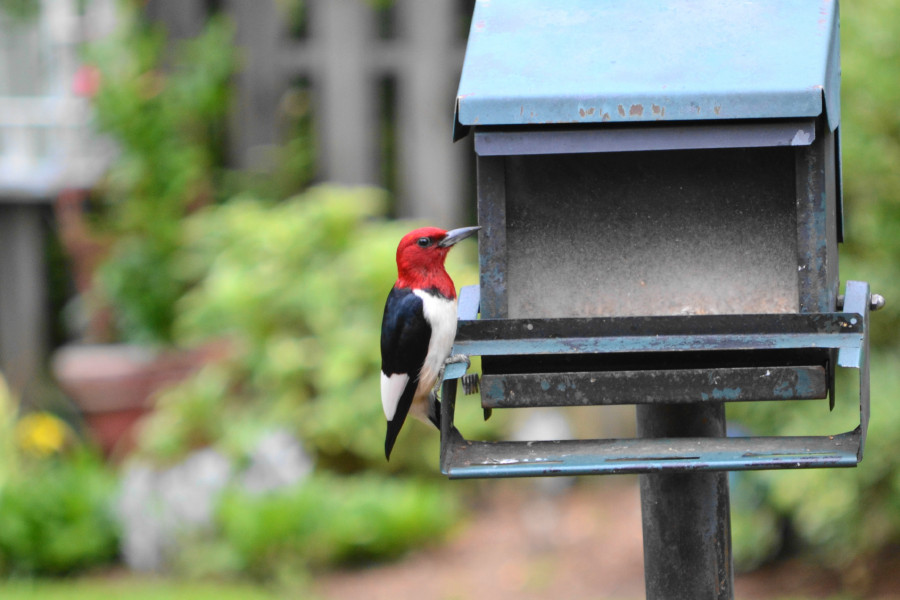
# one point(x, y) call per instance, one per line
point(41, 434)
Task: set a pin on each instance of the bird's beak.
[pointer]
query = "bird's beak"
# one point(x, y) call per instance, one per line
point(455, 235)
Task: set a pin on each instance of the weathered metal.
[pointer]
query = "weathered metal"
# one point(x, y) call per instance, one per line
point(466, 459)
point(858, 298)
point(847, 332)
point(653, 334)
point(669, 136)
point(604, 61)
point(659, 188)
point(653, 386)
point(686, 517)
point(707, 231)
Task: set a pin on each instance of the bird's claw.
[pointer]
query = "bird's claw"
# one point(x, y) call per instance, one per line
point(452, 359)
point(458, 358)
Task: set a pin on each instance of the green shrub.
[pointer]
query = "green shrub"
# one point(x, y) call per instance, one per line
point(167, 113)
point(56, 517)
point(843, 517)
point(329, 520)
point(297, 288)
point(840, 516)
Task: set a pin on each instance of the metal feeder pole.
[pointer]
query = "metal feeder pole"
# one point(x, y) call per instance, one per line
point(686, 516)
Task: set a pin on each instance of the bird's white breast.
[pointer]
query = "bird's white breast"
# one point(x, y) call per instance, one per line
point(441, 315)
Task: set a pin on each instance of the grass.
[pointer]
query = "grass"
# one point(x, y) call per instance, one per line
point(135, 588)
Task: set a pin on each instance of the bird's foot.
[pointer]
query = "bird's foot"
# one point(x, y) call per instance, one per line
point(436, 389)
point(458, 358)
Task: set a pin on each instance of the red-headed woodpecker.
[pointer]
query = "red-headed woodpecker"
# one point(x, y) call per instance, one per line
point(418, 328)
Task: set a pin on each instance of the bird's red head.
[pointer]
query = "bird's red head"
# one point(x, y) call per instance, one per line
point(421, 255)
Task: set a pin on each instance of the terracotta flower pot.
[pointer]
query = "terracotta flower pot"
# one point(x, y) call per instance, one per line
point(115, 385)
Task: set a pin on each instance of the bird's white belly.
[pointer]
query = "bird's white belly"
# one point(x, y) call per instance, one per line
point(441, 315)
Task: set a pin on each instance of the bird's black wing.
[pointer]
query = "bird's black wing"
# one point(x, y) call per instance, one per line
point(405, 333)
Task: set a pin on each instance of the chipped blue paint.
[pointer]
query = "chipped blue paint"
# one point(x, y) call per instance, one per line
point(662, 343)
point(492, 388)
point(783, 390)
point(726, 394)
point(804, 384)
point(455, 371)
point(608, 457)
point(596, 61)
point(651, 386)
point(856, 300)
point(461, 458)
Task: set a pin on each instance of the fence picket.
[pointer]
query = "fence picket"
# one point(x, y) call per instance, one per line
point(345, 61)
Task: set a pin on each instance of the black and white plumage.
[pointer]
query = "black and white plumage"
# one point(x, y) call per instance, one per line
point(416, 337)
point(418, 329)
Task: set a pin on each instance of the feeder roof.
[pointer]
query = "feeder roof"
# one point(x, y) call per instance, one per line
point(532, 62)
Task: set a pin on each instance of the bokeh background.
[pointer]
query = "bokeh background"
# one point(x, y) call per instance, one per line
point(200, 202)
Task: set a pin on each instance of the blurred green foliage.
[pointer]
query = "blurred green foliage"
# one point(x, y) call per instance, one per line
point(22, 11)
point(9, 460)
point(295, 290)
point(845, 517)
point(135, 587)
point(330, 520)
point(56, 516)
point(55, 497)
point(871, 145)
point(166, 110)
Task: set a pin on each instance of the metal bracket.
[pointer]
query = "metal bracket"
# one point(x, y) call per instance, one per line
point(847, 332)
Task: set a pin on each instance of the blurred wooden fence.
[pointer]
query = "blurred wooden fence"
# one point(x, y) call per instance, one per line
point(382, 84)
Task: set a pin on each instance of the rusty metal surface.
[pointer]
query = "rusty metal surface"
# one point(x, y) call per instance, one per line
point(466, 459)
point(848, 332)
point(743, 384)
point(659, 334)
point(817, 224)
point(492, 244)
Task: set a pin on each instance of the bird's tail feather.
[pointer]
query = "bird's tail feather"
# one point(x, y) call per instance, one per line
point(395, 424)
point(434, 410)
point(393, 430)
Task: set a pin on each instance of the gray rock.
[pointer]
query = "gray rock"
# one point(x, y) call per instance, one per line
point(277, 461)
point(156, 507)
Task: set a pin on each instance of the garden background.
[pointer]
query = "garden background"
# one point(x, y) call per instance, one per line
point(202, 414)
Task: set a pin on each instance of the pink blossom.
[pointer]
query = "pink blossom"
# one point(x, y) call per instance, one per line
point(86, 81)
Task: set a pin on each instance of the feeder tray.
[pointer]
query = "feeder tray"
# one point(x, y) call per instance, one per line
point(768, 346)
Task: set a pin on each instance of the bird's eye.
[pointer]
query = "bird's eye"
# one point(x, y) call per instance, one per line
point(424, 242)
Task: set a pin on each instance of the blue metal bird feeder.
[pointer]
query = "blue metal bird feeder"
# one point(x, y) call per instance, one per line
point(660, 200)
